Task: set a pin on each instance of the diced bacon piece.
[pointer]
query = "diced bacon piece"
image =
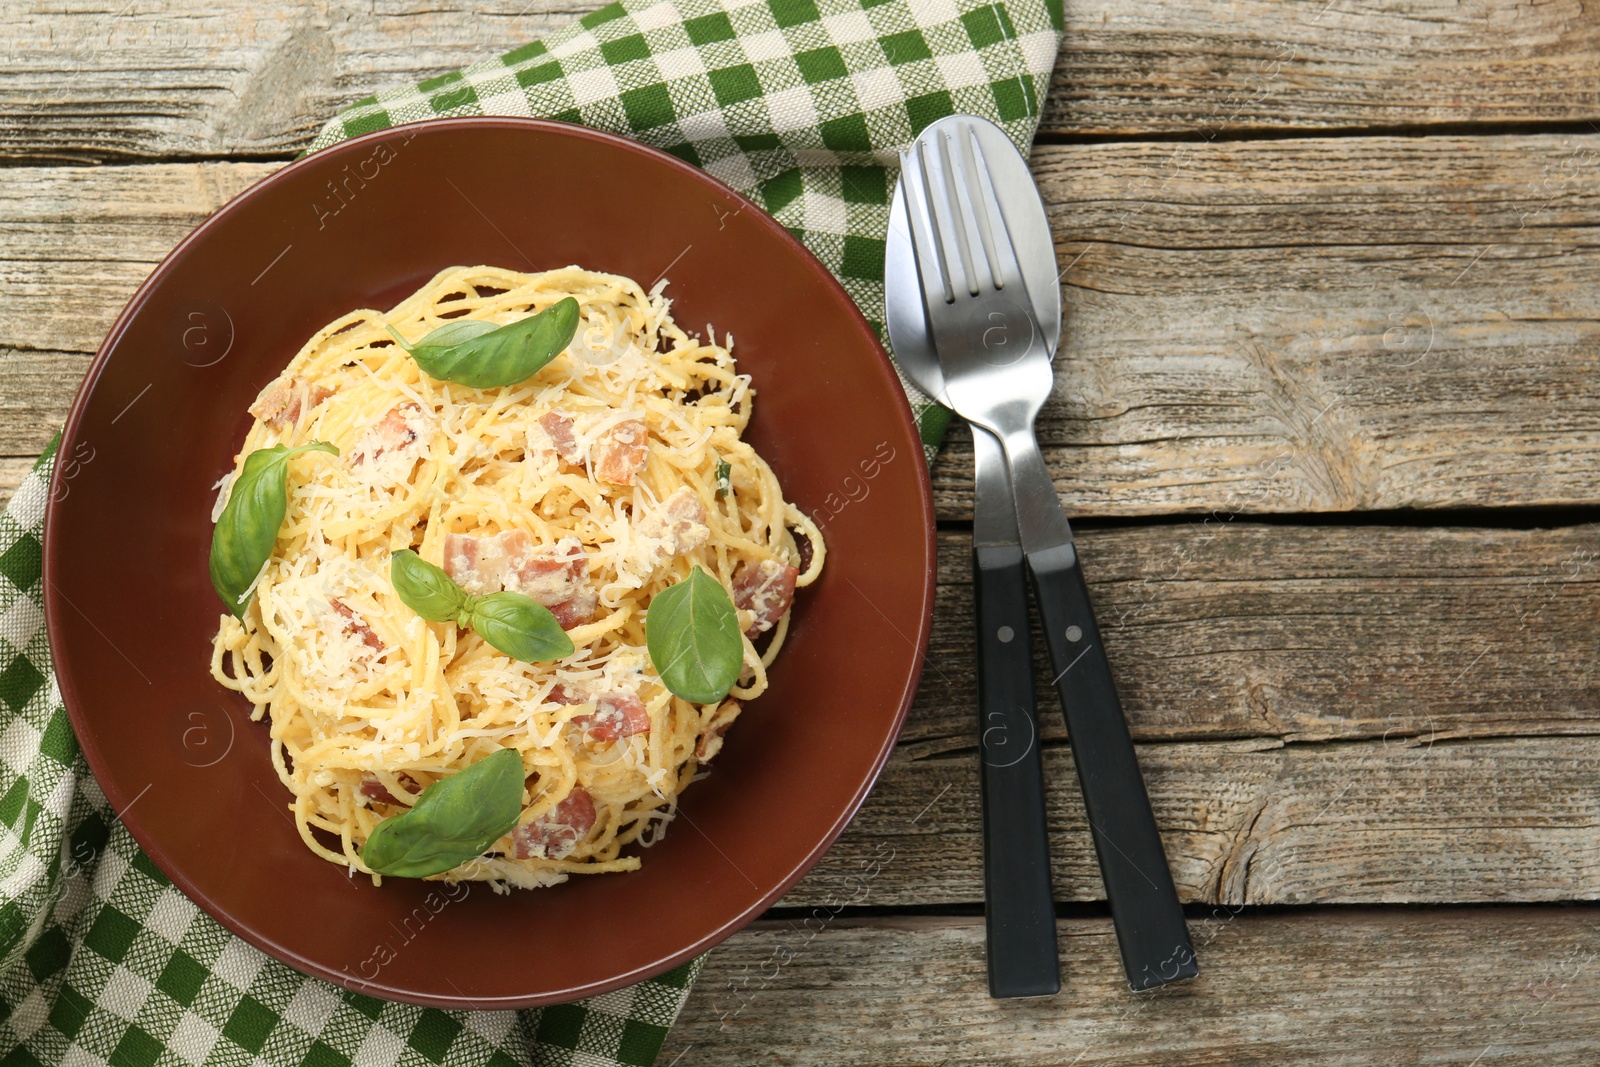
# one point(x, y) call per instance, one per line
point(561, 693)
point(392, 433)
point(621, 452)
point(374, 789)
point(554, 575)
point(461, 557)
point(551, 576)
point(710, 742)
point(558, 830)
point(356, 626)
point(559, 427)
point(273, 404)
point(684, 506)
point(765, 590)
point(679, 524)
point(314, 395)
point(577, 611)
point(485, 564)
point(616, 715)
point(283, 401)
point(675, 526)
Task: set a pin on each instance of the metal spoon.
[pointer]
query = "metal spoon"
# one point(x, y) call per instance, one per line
point(1019, 910)
point(967, 206)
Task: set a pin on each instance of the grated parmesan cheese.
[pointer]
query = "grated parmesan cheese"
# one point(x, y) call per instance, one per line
point(356, 683)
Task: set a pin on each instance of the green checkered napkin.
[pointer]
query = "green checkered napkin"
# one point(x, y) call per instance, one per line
point(801, 105)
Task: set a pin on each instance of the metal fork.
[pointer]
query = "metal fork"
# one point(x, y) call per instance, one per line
point(1019, 909)
point(997, 374)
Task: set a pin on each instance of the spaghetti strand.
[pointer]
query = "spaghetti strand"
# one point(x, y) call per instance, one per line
point(591, 486)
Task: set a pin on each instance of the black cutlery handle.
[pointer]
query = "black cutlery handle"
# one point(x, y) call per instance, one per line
point(1151, 931)
point(1019, 910)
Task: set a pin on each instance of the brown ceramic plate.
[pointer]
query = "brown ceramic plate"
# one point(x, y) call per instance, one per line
point(131, 612)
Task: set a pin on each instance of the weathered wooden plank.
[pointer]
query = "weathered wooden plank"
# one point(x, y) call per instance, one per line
point(1290, 326)
point(1223, 629)
point(36, 390)
point(1330, 988)
point(226, 76)
point(75, 242)
point(1407, 638)
point(1315, 65)
point(191, 78)
point(1355, 324)
point(1251, 822)
point(12, 472)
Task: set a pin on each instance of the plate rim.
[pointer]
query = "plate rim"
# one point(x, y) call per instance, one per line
point(96, 758)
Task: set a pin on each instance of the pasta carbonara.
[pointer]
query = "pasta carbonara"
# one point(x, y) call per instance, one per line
point(590, 487)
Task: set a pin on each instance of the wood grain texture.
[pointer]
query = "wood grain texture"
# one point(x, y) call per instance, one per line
point(231, 77)
point(1326, 714)
point(1271, 326)
point(1326, 988)
point(1256, 822)
point(1317, 325)
point(36, 391)
point(1222, 630)
point(1220, 68)
point(12, 471)
point(75, 242)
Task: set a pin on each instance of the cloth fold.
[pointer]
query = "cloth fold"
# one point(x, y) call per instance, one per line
point(802, 105)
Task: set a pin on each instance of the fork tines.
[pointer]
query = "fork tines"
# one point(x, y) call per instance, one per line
point(951, 200)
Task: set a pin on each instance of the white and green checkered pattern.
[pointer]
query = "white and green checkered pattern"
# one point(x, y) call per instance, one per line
point(104, 961)
point(801, 105)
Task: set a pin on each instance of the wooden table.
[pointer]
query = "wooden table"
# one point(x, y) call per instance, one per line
point(1329, 417)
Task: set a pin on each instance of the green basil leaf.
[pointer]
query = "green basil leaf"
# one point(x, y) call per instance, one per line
point(519, 626)
point(454, 820)
point(451, 333)
point(248, 526)
point(692, 632)
point(424, 588)
point(724, 477)
point(482, 355)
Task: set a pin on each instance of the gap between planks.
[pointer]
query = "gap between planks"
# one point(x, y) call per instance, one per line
point(1251, 327)
point(228, 78)
point(1327, 988)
